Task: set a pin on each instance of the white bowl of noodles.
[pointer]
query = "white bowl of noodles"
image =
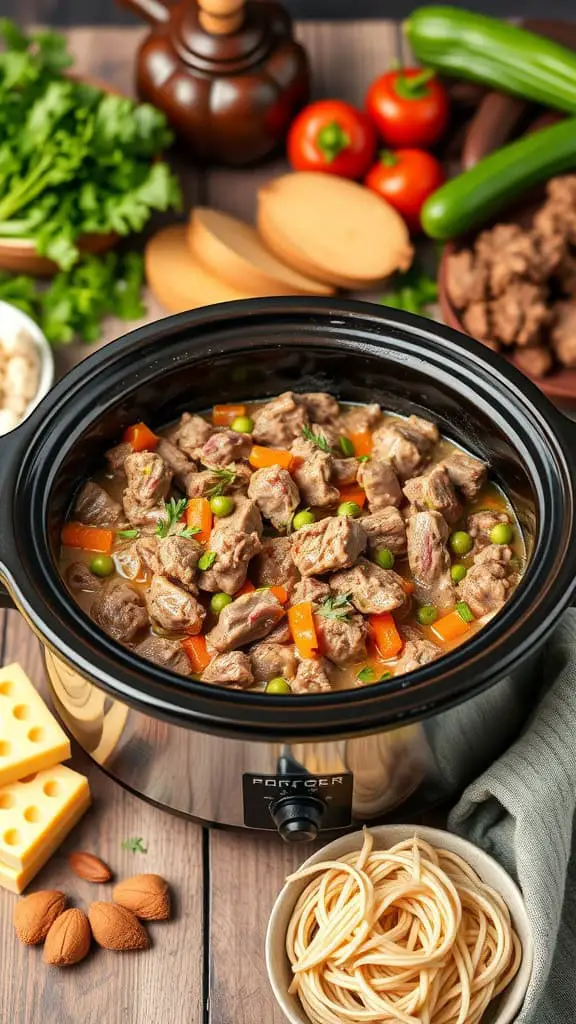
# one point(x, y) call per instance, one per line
point(462, 938)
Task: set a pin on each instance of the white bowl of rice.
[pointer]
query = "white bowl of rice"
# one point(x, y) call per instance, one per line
point(401, 923)
point(26, 366)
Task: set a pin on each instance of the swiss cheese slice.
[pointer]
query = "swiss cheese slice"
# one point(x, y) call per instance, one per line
point(178, 280)
point(233, 251)
point(332, 229)
point(30, 737)
point(36, 815)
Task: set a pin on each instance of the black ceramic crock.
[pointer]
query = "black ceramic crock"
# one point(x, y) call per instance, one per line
point(250, 350)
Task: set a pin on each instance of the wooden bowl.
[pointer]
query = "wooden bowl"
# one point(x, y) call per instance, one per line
point(20, 256)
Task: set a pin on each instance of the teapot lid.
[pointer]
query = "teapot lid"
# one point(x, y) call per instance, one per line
point(222, 53)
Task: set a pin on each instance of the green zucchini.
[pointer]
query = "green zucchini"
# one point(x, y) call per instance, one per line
point(494, 53)
point(499, 179)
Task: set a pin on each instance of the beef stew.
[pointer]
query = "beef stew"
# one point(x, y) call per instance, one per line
point(291, 545)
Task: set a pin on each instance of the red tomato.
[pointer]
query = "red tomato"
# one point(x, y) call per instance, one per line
point(409, 107)
point(405, 178)
point(334, 137)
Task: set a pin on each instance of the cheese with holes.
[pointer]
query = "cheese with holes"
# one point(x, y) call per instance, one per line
point(30, 737)
point(36, 815)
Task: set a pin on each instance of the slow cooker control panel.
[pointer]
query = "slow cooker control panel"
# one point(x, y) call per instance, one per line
point(296, 804)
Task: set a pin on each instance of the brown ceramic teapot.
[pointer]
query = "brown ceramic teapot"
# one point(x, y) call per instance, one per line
point(228, 74)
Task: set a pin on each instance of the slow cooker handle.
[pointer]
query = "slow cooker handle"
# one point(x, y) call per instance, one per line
point(10, 455)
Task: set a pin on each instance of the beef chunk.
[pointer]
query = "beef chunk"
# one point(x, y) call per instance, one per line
point(233, 550)
point(429, 559)
point(148, 477)
point(172, 609)
point(116, 457)
point(191, 434)
point(140, 559)
point(434, 490)
point(249, 618)
point(415, 654)
point(536, 362)
point(333, 543)
point(178, 557)
point(281, 634)
point(179, 463)
point(225, 447)
point(344, 471)
point(270, 660)
point(485, 587)
point(466, 473)
point(321, 408)
point(477, 322)
point(358, 421)
point(466, 278)
point(519, 314)
point(511, 254)
point(310, 589)
point(564, 333)
point(81, 580)
point(342, 640)
point(372, 590)
point(566, 273)
point(313, 477)
point(230, 669)
point(479, 525)
point(276, 495)
point(119, 610)
point(280, 422)
point(407, 443)
point(500, 553)
point(318, 437)
point(311, 677)
point(245, 517)
point(558, 215)
point(95, 507)
point(380, 482)
point(385, 529)
point(274, 566)
point(166, 653)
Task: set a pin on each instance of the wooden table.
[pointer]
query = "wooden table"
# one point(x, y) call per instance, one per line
point(206, 966)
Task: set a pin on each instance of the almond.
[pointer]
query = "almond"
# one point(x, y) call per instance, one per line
point(89, 867)
point(68, 940)
point(116, 928)
point(35, 914)
point(147, 896)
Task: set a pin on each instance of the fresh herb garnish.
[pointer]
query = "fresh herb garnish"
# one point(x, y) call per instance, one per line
point(363, 458)
point(224, 478)
point(128, 534)
point(206, 561)
point(385, 676)
point(189, 531)
point(173, 510)
point(365, 674)
point(135, 845)
point(339, 607)
point(414, 291)
point(318, 439)
point(464, 612)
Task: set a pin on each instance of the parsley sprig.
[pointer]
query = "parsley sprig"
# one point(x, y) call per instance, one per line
point(224, 478)
point(339, 607)
point(366, 675)
point(173, 511)
point(318, 439)
point(135, 845)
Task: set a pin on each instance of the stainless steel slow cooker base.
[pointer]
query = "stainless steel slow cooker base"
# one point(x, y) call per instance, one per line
point(234, 783)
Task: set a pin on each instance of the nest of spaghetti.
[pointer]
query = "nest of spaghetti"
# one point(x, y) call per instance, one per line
point(409, 935)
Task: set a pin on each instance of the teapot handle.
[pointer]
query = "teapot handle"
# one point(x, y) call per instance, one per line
point(153, 11)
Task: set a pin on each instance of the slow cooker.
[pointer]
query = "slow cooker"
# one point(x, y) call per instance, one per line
point(306, 763)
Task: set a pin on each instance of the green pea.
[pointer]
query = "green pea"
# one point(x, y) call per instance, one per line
point(384, 558)
point(102, 565)
point(458, 572)
point(242, 425)
point(218, 602)
point(461, 542)
point(347, 447)
point(304, 518)
point(427, 614)
point(349, 508)
point(278, 685)
point(502, 533)
point(222, 505)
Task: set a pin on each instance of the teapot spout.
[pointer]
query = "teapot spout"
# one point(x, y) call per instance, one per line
point(153, 11)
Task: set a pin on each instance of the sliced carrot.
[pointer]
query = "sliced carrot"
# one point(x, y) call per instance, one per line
point(261, 458)
point(199, 517)
point(246, 588)
point(195, 648)
point(89, 538)
point(280, 593)
point(451, 627)
point(351, 492)
point(303, 630)
point(362, 441)
point(408, 586)
point(140, 437)
point(224, 415)
point(385, 634)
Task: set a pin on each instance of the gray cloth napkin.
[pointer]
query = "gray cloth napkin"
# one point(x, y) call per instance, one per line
point(521, 812)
